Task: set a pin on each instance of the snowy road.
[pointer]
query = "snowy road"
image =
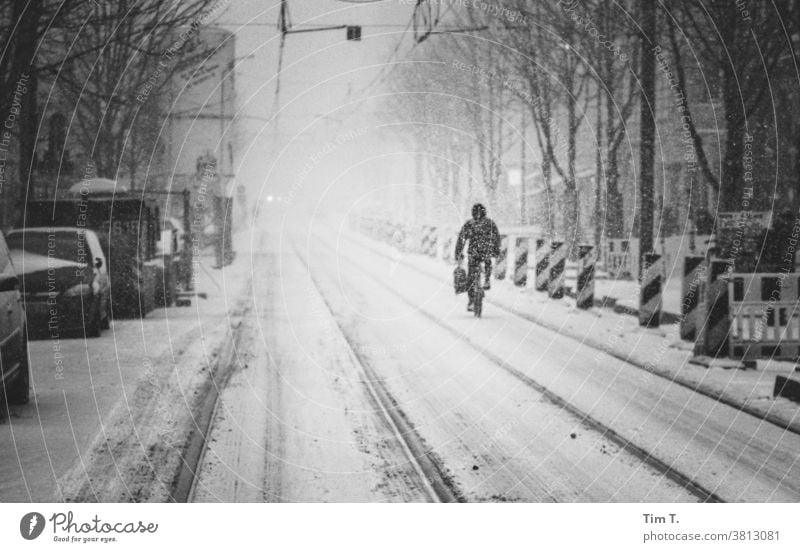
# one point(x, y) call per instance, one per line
point(367, 380)
point(296, 423)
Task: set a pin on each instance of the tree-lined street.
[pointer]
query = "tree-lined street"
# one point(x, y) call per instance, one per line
point(415, 251)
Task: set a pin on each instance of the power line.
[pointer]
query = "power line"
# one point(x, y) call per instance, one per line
point(315, 25)
point(384, 73)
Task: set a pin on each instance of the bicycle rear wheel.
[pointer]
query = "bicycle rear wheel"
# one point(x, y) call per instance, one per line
point(478, 301)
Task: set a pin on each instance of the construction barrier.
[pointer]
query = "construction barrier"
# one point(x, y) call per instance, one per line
point(713, 322)
point(542, 258)
point(585, 292)
point(521, 261)
point(765, 316)
point(650, 292)
point(558, 261)
point(694, 274)
point(620, 259)
point(501, 267)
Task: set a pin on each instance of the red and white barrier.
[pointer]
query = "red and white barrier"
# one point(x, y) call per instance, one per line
point(765, 316)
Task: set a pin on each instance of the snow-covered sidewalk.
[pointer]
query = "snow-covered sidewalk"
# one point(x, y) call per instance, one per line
point(179, 355)
point(658, 351)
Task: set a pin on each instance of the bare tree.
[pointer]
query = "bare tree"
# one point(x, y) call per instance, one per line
point(430, 116)
point(613, 58)
point(489, 97)
point(100, 54)
point(556, 85)
point(742, 51)
point(457, 96)
point(115, 92)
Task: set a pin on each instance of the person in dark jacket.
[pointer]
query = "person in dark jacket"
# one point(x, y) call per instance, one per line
point(484, 243)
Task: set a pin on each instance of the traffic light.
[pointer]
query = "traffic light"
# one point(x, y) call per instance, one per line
point(353, 32)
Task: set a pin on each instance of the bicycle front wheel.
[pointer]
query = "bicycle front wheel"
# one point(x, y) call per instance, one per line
point(478, 302)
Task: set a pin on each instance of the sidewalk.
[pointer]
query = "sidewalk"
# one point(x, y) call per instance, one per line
point(179, 356)
point(658, 351)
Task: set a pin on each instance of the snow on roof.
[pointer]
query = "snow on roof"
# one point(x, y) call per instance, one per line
point(99, 186)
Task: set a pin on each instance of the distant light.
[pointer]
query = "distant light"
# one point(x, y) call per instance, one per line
point(269, 199)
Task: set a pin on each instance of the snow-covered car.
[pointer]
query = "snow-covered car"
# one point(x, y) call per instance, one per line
point(14, 365)
point(64, 278)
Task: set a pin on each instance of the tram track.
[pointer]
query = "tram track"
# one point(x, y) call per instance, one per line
point(429, 470)
point(676, 476)
point(697, 388)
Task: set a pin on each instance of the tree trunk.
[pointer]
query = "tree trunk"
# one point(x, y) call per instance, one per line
point(615, 227)
point(572, 222)
point(647, 128)
point(615, 222)
point(28, 14)
point(598, 178)
point(730, 187)
point(547, 176)
point(796, 186)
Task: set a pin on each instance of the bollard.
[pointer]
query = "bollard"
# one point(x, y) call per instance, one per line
point(650, 292)
point(542, 264)
point(434, 241)
point(501, 267)
point(447, 246)
point(429, 240)
point(521, 261)
point(444, 248)
point(558, 261)
point(423, 239)
point(694, 272)
point(713, 322)
point(717, 323)
point(585, 294)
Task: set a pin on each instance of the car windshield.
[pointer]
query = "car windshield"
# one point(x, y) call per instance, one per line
point(68, 245)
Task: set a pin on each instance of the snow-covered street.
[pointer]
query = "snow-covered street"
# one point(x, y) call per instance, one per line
point(365, 379)
point(329, 367)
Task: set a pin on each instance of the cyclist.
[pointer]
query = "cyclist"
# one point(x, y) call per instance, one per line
point(484, 243)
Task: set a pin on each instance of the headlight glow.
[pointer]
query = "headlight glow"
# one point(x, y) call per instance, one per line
point(78, 289)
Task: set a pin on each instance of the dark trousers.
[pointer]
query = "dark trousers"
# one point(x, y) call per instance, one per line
point(473, 266)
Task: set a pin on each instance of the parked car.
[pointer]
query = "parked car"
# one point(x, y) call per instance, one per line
point(14, 365)
point(64, 278)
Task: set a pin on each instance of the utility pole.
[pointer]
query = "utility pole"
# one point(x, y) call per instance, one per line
point(598, 173)
point(647, 131)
